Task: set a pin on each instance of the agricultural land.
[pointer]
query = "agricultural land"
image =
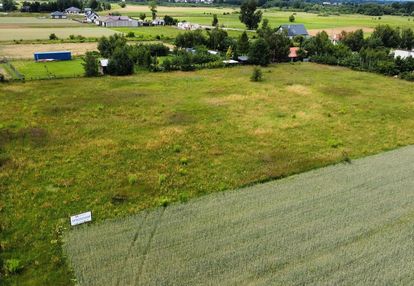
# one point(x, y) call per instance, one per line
point(118, 145)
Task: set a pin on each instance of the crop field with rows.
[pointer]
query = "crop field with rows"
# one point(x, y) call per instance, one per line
point(349, 224)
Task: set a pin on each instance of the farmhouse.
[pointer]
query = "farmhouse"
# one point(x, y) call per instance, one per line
point(58, 15)
point(53, 56)
point(403, 54)
point(91, 16)
point(188, 26)
point(73, 10)
point(116, 21)
point(158, 22)
point(294, 30)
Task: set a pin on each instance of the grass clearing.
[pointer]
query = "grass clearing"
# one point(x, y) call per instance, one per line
point(44, 70)
point(348, 224)
point(73, 145)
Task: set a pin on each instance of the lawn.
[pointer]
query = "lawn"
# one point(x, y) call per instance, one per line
point(118, 145)
point(348, 224)
point(44, 70)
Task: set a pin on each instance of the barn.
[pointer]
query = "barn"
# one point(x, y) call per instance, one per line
point(53, 56)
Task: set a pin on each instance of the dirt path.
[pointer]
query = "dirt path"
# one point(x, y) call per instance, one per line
point(346, 224)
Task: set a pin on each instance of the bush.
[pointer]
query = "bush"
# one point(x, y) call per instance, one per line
point(130, 35)
point(122, 4)
point(121, 63)
point(53, 36)
point(90, 64)
point(2, 78)
point(257, 75)
point(12, 266)
point(132, 179)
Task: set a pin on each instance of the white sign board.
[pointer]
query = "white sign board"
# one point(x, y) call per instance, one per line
point(80, 218)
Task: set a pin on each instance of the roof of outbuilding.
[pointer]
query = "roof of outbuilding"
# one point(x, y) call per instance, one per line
point(73, 9)
point(294, 29)
point(57, 13)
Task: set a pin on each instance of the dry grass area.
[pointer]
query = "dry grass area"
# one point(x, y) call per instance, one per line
point(25, 51)
point(335, 31)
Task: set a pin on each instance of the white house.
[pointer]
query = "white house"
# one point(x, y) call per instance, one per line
point(116, 21)
point(158, 22)
point(403, 54)
point(188, 26)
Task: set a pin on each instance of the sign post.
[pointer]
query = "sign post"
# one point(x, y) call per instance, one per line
point(80, 218)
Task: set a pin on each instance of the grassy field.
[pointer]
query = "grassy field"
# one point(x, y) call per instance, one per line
point(43, 70)
point(10, 34)
point(166, 33)
point(36, 22)
point(204, 16)
point(117, 145)
point(348, 224)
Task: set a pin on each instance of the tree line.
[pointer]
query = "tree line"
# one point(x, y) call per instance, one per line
point(372, 54)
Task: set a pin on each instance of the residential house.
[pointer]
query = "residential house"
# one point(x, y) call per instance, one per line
point(73, 10)
point(116, 21)
point(58, 15)
point(158, 22)
point(293, 30)
point(91, 17)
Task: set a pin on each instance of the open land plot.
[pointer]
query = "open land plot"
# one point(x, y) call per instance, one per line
point(348, 224)
point(276, 17)
point(25, 51)
point(164, 33)
point(44, 70)
point(117, 145)
point(34, 22)
point(43, 33)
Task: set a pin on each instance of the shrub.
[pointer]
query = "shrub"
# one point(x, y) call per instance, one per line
point(132, 179)
point(122, 4)
point(130, 35)
point(12, 266)
point(256, 75)
point(164, 202)
point(121, 63)
point(90, 64)
point(53, 36)
point(2, 78)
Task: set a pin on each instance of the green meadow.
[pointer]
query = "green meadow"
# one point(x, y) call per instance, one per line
point(119, 145)
point(46, 70)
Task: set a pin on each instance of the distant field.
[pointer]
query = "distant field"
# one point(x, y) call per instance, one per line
point(165, 33)
point(118, 145)
point(43, 33)
point(349, 224)
point(33, 22)
point(203, 16)
point(42, 70)
point(25, 51)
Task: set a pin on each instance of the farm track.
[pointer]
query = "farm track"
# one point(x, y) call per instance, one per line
point(346, 224)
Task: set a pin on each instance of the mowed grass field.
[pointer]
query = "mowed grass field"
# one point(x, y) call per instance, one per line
point(43, 70)
point(348, 224)
point(203, 15)
point(118, 145)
